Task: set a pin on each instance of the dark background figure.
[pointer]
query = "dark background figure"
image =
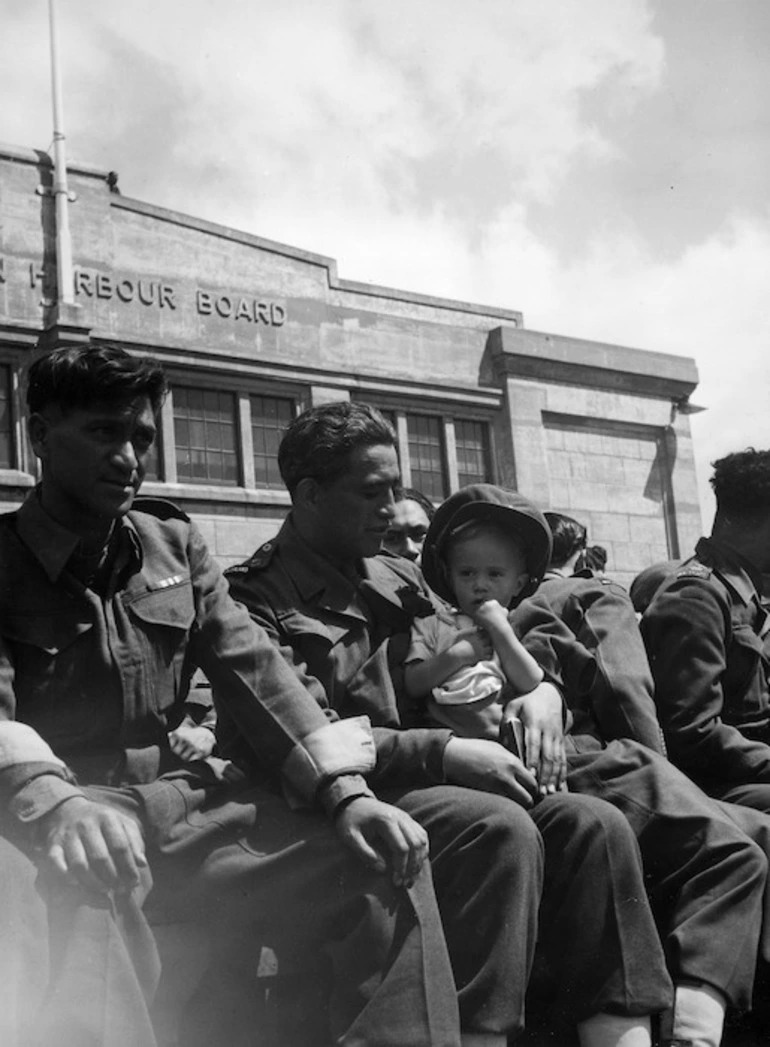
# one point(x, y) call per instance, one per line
point(412, 514)
point(595, 559)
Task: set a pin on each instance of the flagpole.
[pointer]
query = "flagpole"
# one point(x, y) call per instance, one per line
point(64, 271)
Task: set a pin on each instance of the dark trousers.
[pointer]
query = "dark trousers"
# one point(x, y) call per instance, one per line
point(568, 873)
point(705, 877)
point(79, 971)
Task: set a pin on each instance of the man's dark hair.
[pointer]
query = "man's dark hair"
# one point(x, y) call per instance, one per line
point(316, 444)
point(741, 481)
point(568, 537)
point(78, 377)
point(595, 557)
point(411, 494)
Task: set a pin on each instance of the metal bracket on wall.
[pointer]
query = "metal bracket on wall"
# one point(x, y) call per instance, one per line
point(47, 190)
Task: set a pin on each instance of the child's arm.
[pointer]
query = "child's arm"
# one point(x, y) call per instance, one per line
point(520, 668)
point(470, 646)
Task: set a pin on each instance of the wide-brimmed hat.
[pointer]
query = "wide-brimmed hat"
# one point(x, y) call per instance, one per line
point(507, 510)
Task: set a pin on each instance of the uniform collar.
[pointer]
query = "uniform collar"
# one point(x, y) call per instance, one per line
point(53, 545)
point(316, 578)
point(319, 581)
point(735, 571)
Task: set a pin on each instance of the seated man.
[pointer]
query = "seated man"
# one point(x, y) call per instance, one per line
point(705, 877)
point(707, 631)
point(341, 614)
point(108, 605)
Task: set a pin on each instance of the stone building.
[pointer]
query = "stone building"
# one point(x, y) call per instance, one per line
point(252, 331)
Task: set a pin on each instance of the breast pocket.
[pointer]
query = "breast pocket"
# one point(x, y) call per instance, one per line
point(159, 622)
point(46, 649)
point(743, 684)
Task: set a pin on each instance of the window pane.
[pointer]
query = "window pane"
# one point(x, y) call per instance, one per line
point(472, 442)
point(6, 421)
point(426, 455)
point(206, 436)
point(152, 461)
point(269, 417)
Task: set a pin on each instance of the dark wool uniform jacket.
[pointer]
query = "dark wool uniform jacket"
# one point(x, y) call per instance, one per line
point(346, 641)
point(89, 682)
point(708, 640)
point(601, 664)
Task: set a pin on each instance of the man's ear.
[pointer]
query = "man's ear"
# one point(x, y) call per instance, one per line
point(306, 494)
point(38, 428)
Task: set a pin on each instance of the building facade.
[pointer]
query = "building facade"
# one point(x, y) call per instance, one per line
point(251, 332)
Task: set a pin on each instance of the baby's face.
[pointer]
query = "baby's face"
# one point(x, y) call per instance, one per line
point(487, 567)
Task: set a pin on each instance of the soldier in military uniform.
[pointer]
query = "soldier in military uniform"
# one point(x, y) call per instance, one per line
point(107, 604)
point(708, 639)
point(341, 613)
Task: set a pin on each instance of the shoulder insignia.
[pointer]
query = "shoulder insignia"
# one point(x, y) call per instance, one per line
point(693, 569)
point(160, 508)
point(256, 562)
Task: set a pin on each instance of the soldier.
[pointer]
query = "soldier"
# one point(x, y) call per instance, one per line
point(341, 613)
point(706, 632)
point(108, 603)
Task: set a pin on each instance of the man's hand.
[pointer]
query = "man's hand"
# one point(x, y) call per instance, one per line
point(472, 645)
point(191, 742)
point(541, 713)
point(481, 764)
point(383, 835)
point(94, 845)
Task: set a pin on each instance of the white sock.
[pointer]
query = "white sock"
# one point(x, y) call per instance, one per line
point(698, 1016)
point(614, 1030)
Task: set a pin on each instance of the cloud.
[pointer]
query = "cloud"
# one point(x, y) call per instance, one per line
point(491, 152)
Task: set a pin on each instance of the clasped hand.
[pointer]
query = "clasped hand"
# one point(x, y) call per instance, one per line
point(91, 844)
point(384, 837)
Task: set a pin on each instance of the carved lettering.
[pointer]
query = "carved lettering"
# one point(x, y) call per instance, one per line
point(261, 312)
point(203, 303)
point(83, 284)
point(166, 296)
point(125, 290)
point(103, 285)
point(242, 312)
point(277, 314)
point(224, 305)
point(147, 292)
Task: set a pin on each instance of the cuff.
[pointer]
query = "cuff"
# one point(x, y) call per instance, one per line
point(40, 796)
point(339, 792)
point(342, 748)
point(20, 743)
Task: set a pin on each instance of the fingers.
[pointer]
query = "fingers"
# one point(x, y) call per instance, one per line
point(357, 842)
point(102, 850)
point(384, 836)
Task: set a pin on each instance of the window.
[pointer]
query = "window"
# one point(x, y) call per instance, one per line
point(426, 455)
point(438, 453)
point(269, 417)
point(205, 436)
point(152, 470)
point(6, 419)
point(472, 443)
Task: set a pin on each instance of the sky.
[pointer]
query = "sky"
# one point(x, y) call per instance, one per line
point(600, 165)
